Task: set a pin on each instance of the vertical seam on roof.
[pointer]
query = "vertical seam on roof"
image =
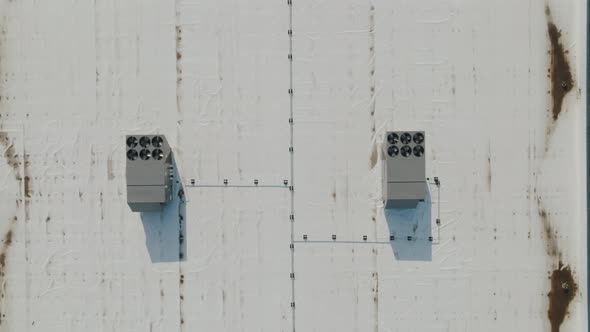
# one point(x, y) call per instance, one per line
point(587, 168)
point(291, 164)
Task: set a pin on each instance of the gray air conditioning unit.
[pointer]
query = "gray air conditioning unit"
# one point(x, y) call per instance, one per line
point(404, 169)
point(149, 172)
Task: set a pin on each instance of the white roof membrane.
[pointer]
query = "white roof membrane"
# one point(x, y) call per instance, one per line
point(498, 87)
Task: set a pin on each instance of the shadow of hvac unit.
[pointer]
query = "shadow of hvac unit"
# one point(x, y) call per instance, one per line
point(148, 172)
point(404, 167)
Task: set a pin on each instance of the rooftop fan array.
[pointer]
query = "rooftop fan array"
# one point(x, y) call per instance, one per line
point(400, 144)
point(144, 151)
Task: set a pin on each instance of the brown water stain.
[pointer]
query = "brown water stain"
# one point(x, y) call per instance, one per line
point(375, 287)
point(563, 286)
point(6, 242)
point(372, 106)
point(3, 42)
point(12, 159)
point(550, 239)
point(92, 156)
point(4, 247)
point(181, 303)
point(110, 169)
point(178, 54)
point(489, 167)
point(27, 186)
point(489, 173)
point(181, 251)
point(9, 151)
point(374, 156)
point(559, 69)
point(372, 61)
point(563, 290)
point(376, 298)
point(178, 67)
point(101, 204)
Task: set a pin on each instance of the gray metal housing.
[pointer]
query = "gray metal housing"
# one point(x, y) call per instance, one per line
point(404, 169)
point(148, 172)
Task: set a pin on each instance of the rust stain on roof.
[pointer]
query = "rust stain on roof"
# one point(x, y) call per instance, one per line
point(489, 173)
point(560, 74)
point(110, 169)
point(27, 186)
point(563, 290)
point(9, 152)
point(6, 242)
point(12, 158)
point(374, 156)
point(178, 59)
point(563, 286)
point(550, 239)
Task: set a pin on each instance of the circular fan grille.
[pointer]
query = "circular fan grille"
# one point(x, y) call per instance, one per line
point(418, 150)
point(406, 138)
point(392, 138)
point(418, 138)
point(157, 154)
point(144, 141)
point(131, 141)
point(145, 154)
point(157, 141)
point(406, 151)
point(131, 154)
point(392, 151)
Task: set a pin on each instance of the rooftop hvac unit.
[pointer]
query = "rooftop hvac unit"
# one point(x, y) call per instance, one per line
point(148, 172)
point(404, 168)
